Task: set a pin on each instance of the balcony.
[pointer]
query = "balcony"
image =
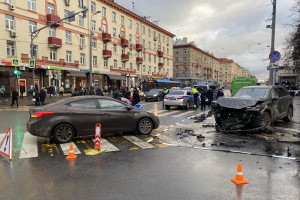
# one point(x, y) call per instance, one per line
point(124, 42)
point(160, 65)
point(160, 53)
point(139, 47)
point(52, 18)
point(139, 60)
point(106, 37)
point(107, 53)
point(54, 42)
point(125, 57)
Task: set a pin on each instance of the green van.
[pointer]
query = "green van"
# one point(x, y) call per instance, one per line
point(239, 82)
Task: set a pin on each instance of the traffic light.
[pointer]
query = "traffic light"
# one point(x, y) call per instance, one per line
point(17, 73)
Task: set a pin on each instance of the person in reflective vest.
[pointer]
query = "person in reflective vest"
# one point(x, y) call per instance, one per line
point(196, 95)
point(165, 91)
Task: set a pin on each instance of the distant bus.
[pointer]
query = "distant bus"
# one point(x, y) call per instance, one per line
point(239, 82)
point(160, 84)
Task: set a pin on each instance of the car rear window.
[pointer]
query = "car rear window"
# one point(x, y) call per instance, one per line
point(176, 92)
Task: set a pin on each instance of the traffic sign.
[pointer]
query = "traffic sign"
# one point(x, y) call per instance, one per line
point(32, 63)
point(16, 62)
point(274, 56)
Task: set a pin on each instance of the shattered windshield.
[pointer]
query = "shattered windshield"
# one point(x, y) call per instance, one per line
point(256, 93)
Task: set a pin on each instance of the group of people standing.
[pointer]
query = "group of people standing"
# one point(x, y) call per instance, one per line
point(203, 95)
point(128, 96)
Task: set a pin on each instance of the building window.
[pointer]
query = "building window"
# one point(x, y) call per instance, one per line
point(167, 51)
point(144, 68)
point(115, 48)
point(159, 37)
point(11, 48)
point(137, 27)
point(9, 22)
point(69, 56)
point(81, 21)
point(163, 39)
point(114, 17)
point(50, 8)
point(35, 51)
point(103, 12)
point(93, 25)
point(144, 43)
point(176, 51)
point(67, 14)
point(93, 7)
point(68, 36)
point(149, 58)
point(154, 59)
point(184, 59)
point(31, 5)
point(115, 64)
point(149, 72)
point(154, 70)
point(103, 28)
point(167, 62)
point(114, 32)
point(82, 41)
point(105, 63)
point(82, 58)
point(176, 59)
point(144, 30)
point(149, 32)
point(137, 67)
point(131, 67)
point(94, 43)
point(32, 26)
point(144, 56)
point(80, 3)
point(95, 62)
point(154, 47)
point(122, 20)
point(130, 51)
point(130, 38)
point(52, 32)
point(52, 54)
point(123, 65)
point(149, 45)
point(184, 51)
point(130, 23)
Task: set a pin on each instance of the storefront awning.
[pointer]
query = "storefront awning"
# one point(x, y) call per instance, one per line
point(77, 74)
point(117, 77)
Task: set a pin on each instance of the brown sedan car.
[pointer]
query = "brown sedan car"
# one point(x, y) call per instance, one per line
point(77, 116)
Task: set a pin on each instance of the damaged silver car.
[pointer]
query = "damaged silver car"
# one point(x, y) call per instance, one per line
point(253, 107)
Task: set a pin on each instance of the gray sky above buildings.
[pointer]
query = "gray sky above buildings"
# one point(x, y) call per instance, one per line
point(235, 29)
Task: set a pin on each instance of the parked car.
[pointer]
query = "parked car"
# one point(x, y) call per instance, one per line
point(77, 116)
point(154, 95)
point(179, 98)
point(253, 107)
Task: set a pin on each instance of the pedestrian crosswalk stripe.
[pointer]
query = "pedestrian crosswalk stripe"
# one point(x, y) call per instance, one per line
point(169, 141)
point(139, 142)
point(182, 114)
point(108, 146)
point(29, 147)
point(169, 112)
point(65, 148)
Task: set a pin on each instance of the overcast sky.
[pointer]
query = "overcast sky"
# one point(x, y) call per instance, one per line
point(235, 29)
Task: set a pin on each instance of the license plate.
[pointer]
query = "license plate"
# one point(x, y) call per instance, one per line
point(172, 98)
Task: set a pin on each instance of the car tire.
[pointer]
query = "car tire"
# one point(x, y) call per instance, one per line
point(167, 107)
point(187, 105)
point(63, 133)
point(289, 116)
point(145, 126)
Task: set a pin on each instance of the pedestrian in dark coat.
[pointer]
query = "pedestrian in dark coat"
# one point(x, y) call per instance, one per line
point(14, 97)
point(22, 90)
point(203, 98)
point(116, 95)
point(75, 93)
point(43, 95)
point(209, 96)
point(37, 97)
point(135, 97)
point(127, 93)
point(220, 93)
point(99, 92)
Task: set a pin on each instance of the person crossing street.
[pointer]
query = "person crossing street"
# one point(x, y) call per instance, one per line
point(196, 95)
point(165, 91)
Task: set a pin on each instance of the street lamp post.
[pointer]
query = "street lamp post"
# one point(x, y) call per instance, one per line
point(91, 50)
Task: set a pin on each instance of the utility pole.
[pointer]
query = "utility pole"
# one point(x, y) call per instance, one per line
point(272, 75)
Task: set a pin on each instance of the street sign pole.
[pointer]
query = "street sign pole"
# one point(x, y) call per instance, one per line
point(273, 71)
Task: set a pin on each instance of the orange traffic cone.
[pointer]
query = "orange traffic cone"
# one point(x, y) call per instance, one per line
point(71, 154)
point(239, 178)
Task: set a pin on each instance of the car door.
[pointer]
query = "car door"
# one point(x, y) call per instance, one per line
point(284, 101)
point(83, 115)
point(190, 98)
point(115, 117)
point(274, 102)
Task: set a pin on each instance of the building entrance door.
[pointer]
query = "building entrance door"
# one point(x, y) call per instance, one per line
point(22, 87)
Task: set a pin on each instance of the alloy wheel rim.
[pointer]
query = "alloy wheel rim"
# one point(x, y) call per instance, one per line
point(64, 133)
point(145, 126)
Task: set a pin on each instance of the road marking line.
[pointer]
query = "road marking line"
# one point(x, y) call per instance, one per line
point(182, 114)
point(65, 148)
point(169, 112)
point(139, 142)
point(30, 146)
point(108, 146)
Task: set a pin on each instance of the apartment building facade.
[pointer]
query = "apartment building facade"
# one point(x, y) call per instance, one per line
point(230, 69)
point(123, 48)
point(193, 65)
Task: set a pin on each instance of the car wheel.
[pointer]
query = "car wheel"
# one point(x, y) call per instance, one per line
point(145, 126)
point(289, 116)
point(167, 107)
point(265, 120)
point(187, 106)
point(63, 133)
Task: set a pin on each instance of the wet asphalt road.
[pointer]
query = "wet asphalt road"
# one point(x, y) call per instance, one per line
point(165, 172)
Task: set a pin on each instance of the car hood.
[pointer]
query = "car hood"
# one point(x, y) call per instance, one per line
point(236, 103)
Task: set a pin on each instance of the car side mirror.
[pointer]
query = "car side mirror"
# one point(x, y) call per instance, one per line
point(128, 108)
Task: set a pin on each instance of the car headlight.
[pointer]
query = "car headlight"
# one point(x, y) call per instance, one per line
point(155, 95)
